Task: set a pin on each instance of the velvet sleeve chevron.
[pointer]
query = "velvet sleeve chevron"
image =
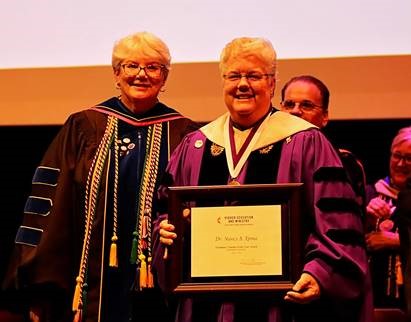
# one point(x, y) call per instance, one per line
point(334, 251)
point(45, 241)
point(336, 204)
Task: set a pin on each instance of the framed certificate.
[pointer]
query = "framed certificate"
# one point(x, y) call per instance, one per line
point(235, 238)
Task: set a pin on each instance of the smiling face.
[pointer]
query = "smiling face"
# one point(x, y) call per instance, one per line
point(400, 163)
point(300, 93)
point(139, 91)
point(247, 99)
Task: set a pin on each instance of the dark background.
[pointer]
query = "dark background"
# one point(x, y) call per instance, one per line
point(23, 146)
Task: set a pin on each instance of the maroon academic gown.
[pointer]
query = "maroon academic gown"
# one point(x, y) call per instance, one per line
point(288, 150)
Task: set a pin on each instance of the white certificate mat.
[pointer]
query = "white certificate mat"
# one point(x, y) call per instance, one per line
point(236, 241)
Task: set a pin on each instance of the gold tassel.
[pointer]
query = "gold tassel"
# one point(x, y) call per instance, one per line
point(77, 292)
point(143, 271)
point(113, 252)
point(78, 316)
point(150, 278)
point(398, 271)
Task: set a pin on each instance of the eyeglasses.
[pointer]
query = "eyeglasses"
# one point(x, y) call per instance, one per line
point(304, 105)
point(397, 157)
point(253, 77)
point(151, 70)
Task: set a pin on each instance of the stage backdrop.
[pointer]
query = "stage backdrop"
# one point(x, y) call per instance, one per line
point(375, 87)
point(55, 55)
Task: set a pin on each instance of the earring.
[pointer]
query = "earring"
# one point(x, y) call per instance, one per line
point(117, 85)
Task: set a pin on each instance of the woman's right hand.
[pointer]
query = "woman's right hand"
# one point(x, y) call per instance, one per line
point(167, 234)
point(379, 208)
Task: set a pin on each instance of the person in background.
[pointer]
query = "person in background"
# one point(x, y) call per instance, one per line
point(382, 240)
point(254, 144)
point(308, 97)
point(403, 213)
point(84, 249)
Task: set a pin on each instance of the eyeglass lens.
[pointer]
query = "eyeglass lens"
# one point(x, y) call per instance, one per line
point(397, 157)
point(305, 105)
point(152, 70)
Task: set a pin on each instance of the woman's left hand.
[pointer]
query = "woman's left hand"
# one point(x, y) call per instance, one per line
point(382, 240)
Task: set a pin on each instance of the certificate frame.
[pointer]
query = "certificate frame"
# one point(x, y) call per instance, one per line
point(178, 263)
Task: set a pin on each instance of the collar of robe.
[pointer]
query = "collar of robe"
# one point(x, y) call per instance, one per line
point(157, 114)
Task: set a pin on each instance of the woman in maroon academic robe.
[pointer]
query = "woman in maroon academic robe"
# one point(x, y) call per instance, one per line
point(251, 144)
point(382, 239)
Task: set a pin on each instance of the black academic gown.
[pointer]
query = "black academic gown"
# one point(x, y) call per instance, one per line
point(50, 241)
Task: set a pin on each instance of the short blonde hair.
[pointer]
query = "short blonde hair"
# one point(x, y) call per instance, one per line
point(260, 48)
point(143, 43)
point(403, 135)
